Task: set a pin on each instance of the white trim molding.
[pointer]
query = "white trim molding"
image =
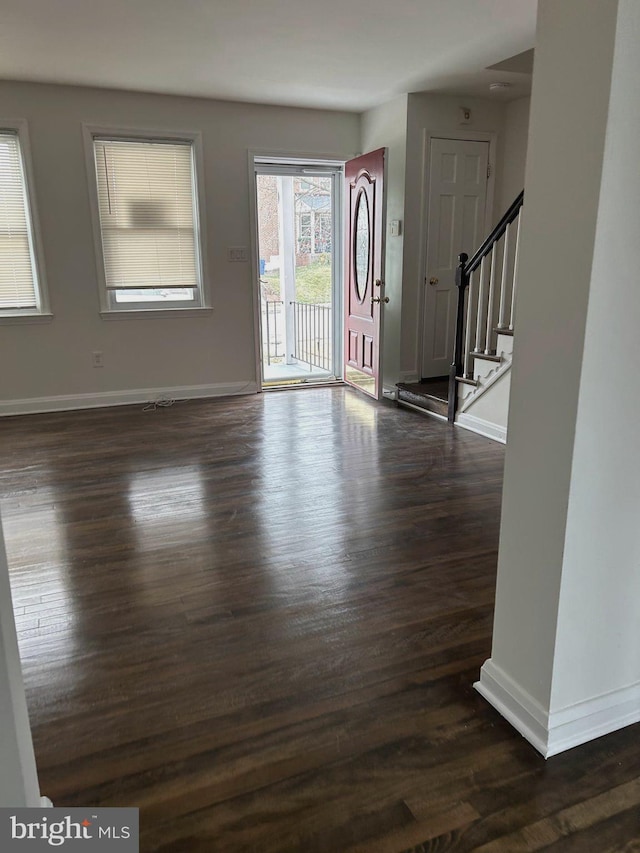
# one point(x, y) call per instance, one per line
point(70, 402)
point(297, 164)
point(24, 319)
point(486, 382)
point(552, 732)
point(43, 310)
point(428, 134)
point(91, 132)
point(516, 705)
point(422, 411)
point(156, 313)
point(482, 427)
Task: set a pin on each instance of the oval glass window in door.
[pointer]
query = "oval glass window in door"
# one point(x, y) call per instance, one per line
point(361, 245)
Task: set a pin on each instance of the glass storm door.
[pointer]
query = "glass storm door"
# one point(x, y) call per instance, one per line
point(299, 277)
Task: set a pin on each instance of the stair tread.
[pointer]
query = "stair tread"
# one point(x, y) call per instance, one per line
point(467, 381)
point(504, 332)
point(439, 389)
point(409, 393)
point(487, 357)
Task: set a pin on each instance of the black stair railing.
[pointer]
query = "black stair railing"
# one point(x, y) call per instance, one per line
point(478, 310)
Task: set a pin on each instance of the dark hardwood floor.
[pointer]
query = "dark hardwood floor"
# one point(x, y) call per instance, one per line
point(260, 619)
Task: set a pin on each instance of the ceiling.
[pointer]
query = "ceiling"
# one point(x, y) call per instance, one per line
point(340, 54)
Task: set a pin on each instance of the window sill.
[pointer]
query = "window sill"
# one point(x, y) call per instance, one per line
point(17, 319)
point(154, 313)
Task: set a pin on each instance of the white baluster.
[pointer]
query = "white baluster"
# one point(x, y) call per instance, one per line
point(478, 347)
point(515, 271)
point(492, 287)
point(503, 281)
point(467, 333)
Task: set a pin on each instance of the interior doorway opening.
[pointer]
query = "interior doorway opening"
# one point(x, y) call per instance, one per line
point(298, 207)
point(459, 200)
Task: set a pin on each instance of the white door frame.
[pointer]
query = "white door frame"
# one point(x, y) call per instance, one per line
point(281, 159)
point(458, 136)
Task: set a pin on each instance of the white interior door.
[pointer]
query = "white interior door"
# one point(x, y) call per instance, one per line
point(457, 195)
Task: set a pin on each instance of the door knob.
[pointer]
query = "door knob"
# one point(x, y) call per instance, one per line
point(377, 299)
point(433, 281)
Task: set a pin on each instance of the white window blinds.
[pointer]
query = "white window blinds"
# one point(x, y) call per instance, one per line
point(18, 281)
point(148, 214)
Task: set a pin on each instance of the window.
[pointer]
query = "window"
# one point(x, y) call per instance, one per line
point(21, 287)
point(149, 226)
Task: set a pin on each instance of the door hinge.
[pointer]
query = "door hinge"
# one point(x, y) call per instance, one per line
point(488, 170)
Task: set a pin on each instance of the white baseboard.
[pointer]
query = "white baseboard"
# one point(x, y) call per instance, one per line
point(45, 803)
point(516, 705)
point(482, 427)
point(557, 731)
point(422, 411)
point(70, 402)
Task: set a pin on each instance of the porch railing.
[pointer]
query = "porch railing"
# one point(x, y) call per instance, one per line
point(312, 334)
point(272, 330)
point(488, 281)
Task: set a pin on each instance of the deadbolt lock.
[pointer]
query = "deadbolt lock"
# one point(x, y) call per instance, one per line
point(378, 282)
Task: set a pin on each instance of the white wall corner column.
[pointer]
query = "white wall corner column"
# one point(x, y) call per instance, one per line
point(18, 775)
point(565, 666)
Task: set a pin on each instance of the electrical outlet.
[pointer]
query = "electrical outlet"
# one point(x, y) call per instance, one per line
point(97, 359)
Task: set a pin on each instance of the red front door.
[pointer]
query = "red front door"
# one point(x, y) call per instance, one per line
point(364, 288)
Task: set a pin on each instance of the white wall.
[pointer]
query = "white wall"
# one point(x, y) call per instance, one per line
point(598, 638)
point(386, 127)
point(434, 114)
point(516, 131)
point(152, 353)
point(18, 777)
point(215, 349)
point(569, 103)
point(565, 663)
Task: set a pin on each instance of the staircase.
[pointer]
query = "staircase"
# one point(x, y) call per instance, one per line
point(477, 391)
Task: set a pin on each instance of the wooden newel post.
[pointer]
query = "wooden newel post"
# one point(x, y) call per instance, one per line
point(462, 282)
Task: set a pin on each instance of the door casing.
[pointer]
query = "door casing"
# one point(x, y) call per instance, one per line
point(280, 161)
point(458, 135)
